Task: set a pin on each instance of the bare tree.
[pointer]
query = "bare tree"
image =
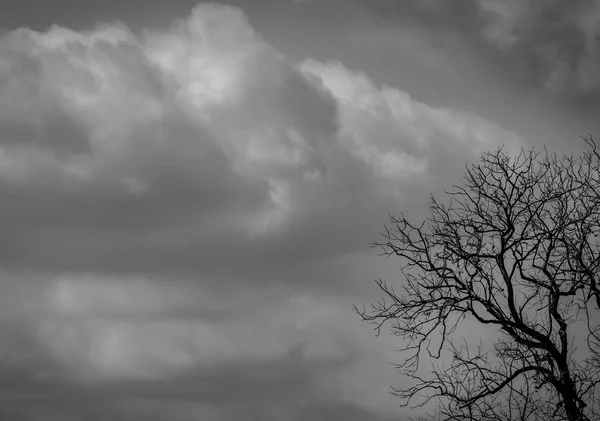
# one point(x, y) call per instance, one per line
point(515, 248)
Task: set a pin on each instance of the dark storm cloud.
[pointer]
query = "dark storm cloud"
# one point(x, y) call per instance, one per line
point(549, 44)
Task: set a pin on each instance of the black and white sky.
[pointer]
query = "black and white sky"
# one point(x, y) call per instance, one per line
point(188, 190)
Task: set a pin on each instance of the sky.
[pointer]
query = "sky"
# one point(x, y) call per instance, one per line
point(188, 191)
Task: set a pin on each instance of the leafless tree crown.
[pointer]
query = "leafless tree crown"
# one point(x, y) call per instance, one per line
point(514, 248)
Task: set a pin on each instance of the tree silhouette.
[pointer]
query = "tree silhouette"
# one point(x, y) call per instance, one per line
point(515, 248)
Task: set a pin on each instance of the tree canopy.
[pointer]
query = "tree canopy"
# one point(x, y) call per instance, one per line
point(514, 248)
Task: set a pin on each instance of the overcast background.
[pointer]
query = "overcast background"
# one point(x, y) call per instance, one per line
point(188, 191)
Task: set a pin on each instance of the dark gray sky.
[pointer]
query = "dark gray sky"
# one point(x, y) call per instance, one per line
point(188, 192)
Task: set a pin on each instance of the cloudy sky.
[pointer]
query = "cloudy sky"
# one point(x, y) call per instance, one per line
point(188, 190)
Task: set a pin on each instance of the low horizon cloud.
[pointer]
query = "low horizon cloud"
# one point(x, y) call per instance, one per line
point(186, 215)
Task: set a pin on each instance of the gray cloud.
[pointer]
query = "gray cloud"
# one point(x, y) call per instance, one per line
point(288, 387)
point(180, 150)
point(549, 44)
point(184, 211)
point(557, 38)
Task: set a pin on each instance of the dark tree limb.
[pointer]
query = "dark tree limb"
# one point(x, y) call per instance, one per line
point(515, 248)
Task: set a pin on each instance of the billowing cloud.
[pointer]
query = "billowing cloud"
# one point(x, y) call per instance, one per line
point(188, 204)
point(123, 147)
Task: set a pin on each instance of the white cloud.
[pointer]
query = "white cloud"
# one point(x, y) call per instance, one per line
point(394, 134)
